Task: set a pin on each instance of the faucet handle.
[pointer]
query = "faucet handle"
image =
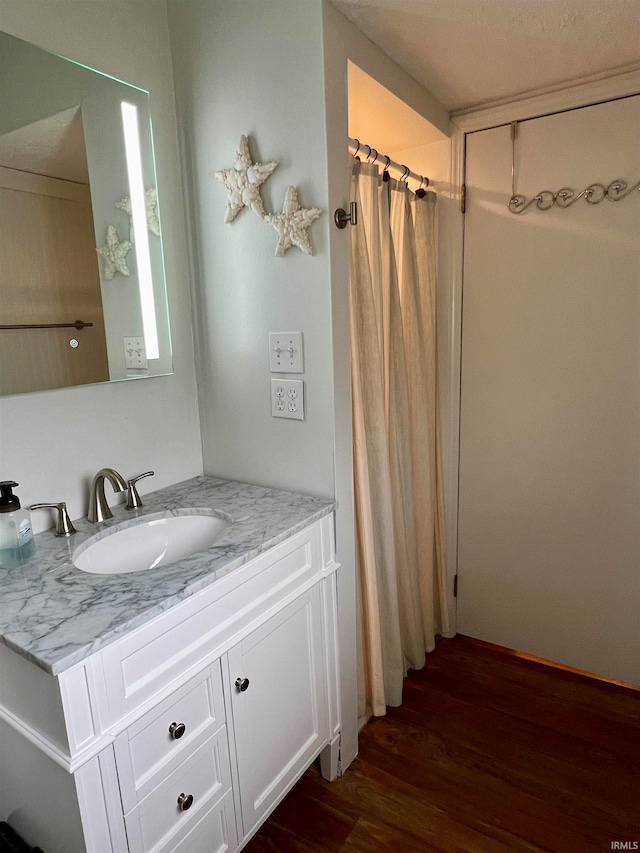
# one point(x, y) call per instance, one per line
point(133, 498)
point(64, 526)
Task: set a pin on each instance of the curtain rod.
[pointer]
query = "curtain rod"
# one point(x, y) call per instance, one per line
point(77, 325)
point(359, 149)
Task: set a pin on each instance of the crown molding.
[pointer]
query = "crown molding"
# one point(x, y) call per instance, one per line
point(547, 102)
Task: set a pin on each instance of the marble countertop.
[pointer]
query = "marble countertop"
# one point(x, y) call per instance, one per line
point(56, 615)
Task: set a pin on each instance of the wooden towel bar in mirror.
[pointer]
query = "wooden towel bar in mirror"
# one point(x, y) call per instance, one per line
point(82, 286)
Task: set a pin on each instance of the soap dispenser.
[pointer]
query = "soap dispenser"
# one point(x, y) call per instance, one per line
point(16, 536)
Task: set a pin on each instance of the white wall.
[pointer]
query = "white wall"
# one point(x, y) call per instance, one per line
point(432, 160)
point(255, 68)
point(53, 442)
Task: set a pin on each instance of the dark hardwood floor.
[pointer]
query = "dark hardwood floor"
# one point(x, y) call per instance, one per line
point(489, 752)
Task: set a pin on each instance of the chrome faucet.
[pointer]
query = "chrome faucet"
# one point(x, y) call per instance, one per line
point(98, 506)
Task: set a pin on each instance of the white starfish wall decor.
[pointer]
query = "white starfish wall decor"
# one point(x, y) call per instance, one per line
point(115, 254)
point(292, 224)
point(151, 200)
point(243, 181)
point(153, 223)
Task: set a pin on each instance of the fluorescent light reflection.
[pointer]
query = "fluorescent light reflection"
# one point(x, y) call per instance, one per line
point(139, 217)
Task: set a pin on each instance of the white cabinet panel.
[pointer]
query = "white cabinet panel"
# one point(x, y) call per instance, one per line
point(280, 717)
point(100, 807)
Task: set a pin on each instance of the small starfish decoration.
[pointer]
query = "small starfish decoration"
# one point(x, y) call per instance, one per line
point(115, 254)
point(292, 224)
point(243, 181)
point(153, 223)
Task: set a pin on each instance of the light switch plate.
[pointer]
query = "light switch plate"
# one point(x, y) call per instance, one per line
point(287, 399)
point(285, 352)
point(135, 357)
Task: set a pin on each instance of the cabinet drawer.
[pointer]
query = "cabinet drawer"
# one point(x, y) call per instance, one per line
point(213, 833)
point(157, 743)
point(192, 633)
point(159, 822)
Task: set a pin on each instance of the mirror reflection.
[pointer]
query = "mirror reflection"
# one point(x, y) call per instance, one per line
point(82, 286)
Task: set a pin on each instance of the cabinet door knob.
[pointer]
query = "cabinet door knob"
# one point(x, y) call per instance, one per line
point(242, 684)
point(185, 801)
point(176, 730)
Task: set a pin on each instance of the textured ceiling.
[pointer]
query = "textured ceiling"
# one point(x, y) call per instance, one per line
point(471, 52)
point(53, 146)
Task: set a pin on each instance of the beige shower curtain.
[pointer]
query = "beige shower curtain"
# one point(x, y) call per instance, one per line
point(398, 492)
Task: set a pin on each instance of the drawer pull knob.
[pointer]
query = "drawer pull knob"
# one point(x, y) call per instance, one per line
point(242, 684)
point(176, 730)
point(185, 801)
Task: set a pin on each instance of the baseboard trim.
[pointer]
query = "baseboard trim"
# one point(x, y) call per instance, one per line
point(551, 663)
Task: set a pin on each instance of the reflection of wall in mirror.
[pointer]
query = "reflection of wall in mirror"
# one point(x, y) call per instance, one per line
point(48, 97)
point(49, 274)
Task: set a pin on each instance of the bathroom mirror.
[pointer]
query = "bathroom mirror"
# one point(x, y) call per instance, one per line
point(82, 286)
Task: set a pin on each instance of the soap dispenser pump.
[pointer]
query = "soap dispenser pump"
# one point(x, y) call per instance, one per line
point(16, 536)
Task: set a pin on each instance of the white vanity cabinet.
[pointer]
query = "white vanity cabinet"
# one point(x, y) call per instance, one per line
point(184, 734)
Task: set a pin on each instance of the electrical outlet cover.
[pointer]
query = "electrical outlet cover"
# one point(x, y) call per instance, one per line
point(287, 399)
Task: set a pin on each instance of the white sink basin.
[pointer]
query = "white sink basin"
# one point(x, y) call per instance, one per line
point(148, 543)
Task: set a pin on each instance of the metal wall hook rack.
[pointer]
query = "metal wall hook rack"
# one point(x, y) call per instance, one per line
point(565, 197)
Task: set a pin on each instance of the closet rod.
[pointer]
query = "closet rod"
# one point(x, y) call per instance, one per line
point(367, 153)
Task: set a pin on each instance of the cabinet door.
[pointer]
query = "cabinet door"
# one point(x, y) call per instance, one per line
point(280, 716)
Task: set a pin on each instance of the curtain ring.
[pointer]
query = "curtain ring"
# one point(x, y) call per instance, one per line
point(369, 152)
point(355, 156)
point(385, 172)
point(406, 173)
point(376, 157)
point(420, 193)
